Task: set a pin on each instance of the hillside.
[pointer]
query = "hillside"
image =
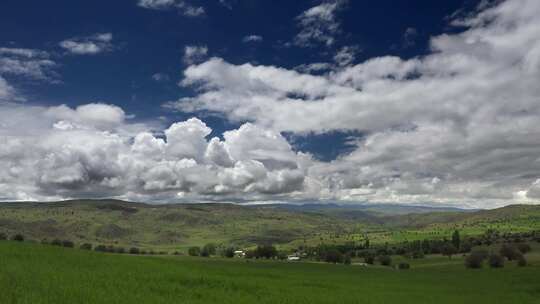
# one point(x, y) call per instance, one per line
point(183, 225)
point(111, 221)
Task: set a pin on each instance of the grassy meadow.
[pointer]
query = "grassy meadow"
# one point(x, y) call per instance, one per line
point(34, 273)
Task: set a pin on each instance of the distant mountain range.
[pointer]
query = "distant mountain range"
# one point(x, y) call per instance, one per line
point(386, 209)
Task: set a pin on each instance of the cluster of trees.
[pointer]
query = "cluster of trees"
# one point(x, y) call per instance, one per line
point(418, 249)
point(207, 250)
point(492, 236)
point(60, 243)
point(510, 252)
point(260, 252)
point(84, 246)
point(16, 237)
point(264, 252)
point(371, 254)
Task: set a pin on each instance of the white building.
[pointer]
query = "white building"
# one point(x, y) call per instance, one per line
point(239, 254)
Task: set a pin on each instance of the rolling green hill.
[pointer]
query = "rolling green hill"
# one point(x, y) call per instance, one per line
point(168, 227)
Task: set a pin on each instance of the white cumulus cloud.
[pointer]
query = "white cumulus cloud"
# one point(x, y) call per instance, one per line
point(319, 24)
point(195, 54)
point(180, 5)
point(90, 45)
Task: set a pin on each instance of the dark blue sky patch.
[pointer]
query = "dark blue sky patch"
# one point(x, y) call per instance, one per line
point(147, 42)
point(326, 146)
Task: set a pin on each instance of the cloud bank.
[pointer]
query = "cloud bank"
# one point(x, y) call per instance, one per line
point(94, 151)
point(455, 126)
point(458, 126)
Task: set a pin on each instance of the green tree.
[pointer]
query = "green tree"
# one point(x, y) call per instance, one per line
point(456, 240)
point(266, 251)
point(86, 246)
point(385, 260)
point(521, 261)
point(496, 261)
point(333, 256)
point(18, 238)
point(509, 251)
point(228, 252)
point(194, 251)
point(211, 248)
point(68, 243)
point(475, 259)
point(448, 250)
point(347, 259)
point(208, 250)
point(523, 248)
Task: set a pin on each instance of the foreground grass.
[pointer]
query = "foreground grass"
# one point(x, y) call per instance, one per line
point(31, 273)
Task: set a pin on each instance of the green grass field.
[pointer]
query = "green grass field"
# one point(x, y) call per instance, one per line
point(34, 273)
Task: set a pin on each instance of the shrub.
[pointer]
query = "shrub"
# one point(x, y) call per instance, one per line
point(521, 261)
point(347, 259)
point(134, 250)
point(56, 242)
point(404, 266)
point(333, 256)
point(369, 259)
point(524, 248)
point(3, 237)
point(86, 246)
point(208, 250)
point(496, 261)
point(120, 250)
point(385, 260)
point(475, 259)
point(418, 254)
point(266, 251)
point(228, 253)
point(194, 251)
point(466, 247)
point(18, 238)
point(100, 248)
point(456, 240)
point(448, 250)
point(250, 254)
point(205, 253)
point(68, 244)
point(509, 251)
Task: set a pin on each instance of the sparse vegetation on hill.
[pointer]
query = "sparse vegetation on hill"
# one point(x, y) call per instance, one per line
point(179, 227)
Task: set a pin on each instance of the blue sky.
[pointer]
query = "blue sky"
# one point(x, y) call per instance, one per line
point(148, 42)
point(352, 101)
